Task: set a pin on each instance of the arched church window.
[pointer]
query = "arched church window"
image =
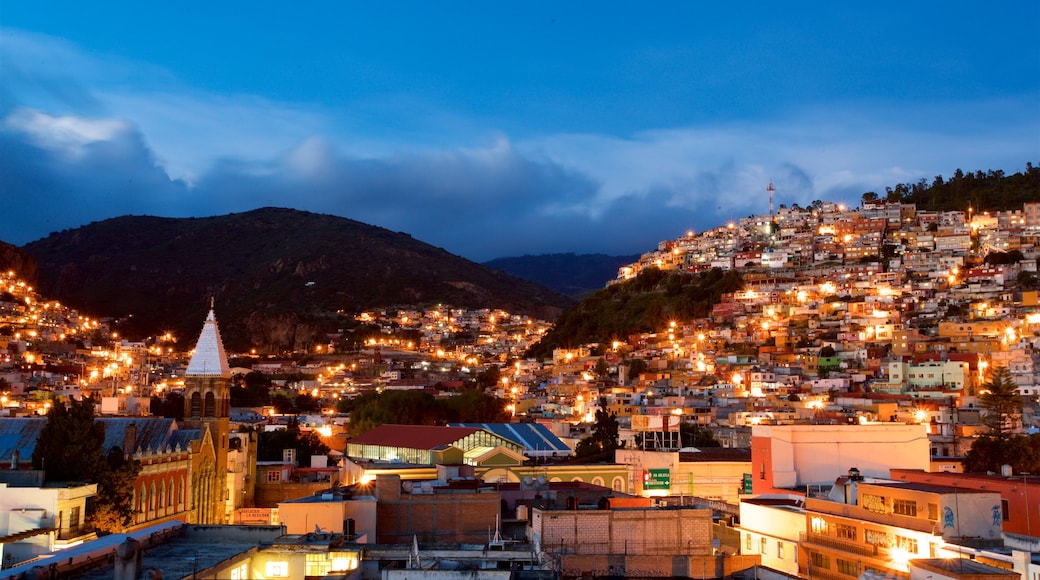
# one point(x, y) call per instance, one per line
point(211, 405)
point(196, 405)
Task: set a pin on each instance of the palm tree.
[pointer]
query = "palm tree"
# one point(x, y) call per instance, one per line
point(1001, 401)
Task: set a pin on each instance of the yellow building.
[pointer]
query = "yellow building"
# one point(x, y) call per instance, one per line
point(712, 472)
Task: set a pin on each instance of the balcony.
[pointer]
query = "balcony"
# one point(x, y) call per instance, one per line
point(841, 545)
point(74, 533)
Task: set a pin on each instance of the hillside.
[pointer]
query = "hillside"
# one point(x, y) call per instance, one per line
point(571, 274)
point(647, 303)
point(280, 277)
point(19, 261)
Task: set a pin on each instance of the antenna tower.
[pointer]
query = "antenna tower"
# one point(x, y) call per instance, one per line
point(770, 189)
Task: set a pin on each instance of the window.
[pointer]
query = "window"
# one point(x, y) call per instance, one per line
point(848, 568)
point(933, 511)
point(277, 569)
point(274, 476)
point(908, 544)
point(904, 507)
point(762, 471)
point(818, 560)
point(845, 532)
point(873, 503)
point(819, 525)
point(240, 572)
point(747, 543)
point(1005, 510)
point(344, 561)
point(318, 565)
point(762, 546)
point(780, 550)
point(74, 517)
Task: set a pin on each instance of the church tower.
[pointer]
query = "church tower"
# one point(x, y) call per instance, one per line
point(207, 409)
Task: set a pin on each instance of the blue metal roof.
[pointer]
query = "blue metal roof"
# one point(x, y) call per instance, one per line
point(536, 439)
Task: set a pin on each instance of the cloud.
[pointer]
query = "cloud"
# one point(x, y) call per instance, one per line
point(455, 181)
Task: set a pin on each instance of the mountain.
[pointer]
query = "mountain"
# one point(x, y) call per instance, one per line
point(280, 277)
point(13, 258)
point(575, 275)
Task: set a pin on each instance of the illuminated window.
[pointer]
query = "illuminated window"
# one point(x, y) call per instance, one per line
point(277, 569)
point(762, 546)
point(747, 543)
point(819, 525)
point(318, 565)
point(343, 561)
point(933, 511)
point(908, 544)
point(240, 572)
point(779, 549)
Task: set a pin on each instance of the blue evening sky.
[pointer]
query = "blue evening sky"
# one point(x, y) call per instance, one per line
point(499, 129)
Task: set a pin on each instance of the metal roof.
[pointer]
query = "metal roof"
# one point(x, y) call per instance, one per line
point(536, 439)
point(412, 436)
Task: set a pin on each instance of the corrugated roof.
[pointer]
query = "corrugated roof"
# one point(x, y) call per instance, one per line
point(209, 359)
point(153, 433)
point(19, 433)
point(412, 436)
point(536, 439)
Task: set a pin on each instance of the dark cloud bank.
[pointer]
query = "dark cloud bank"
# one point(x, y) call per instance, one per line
point(479, 204)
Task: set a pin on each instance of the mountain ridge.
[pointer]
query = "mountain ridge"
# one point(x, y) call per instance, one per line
point(280, 277)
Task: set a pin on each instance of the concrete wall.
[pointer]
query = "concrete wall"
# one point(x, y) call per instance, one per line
point(797, 455)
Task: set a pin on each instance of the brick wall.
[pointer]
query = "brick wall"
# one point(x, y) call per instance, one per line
point(651, 531)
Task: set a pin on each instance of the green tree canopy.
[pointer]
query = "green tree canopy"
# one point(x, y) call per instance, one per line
point(70, 445)
point(1001, 401)
point(71, 448)
point(604, 438)
point(271, 444)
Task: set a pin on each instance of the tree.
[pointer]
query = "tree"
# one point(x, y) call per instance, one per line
point(70, 448)
point(604, 438)
point(694, 435)
point(114, 504)
point(827, 351)
point(271, 444)
point(70, 445)
point(601, 367)
point(989, 454)
point(1001, 401)
point(1027, 280)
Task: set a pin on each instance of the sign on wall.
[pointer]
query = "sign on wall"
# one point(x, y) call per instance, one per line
point(657, 479)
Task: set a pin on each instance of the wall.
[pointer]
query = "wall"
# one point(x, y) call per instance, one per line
point(653, 531)
point(797, 455)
